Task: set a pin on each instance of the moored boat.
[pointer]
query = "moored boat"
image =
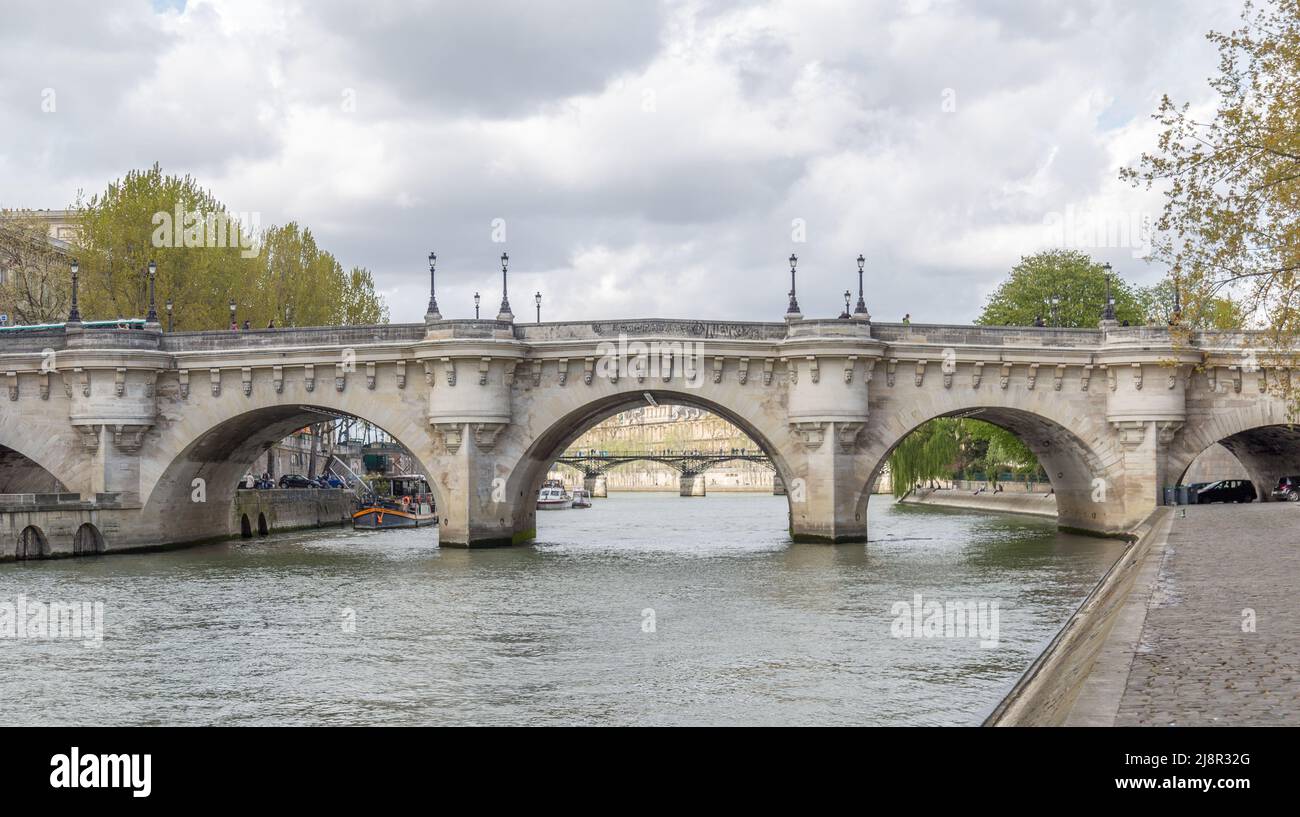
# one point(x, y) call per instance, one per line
point(553, 498)
point(409, 504)
point(581, 499)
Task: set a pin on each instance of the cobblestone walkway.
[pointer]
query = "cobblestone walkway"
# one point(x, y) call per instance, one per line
point(1194, 664)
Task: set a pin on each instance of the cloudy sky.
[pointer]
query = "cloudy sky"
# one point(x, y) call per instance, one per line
point(639, 159)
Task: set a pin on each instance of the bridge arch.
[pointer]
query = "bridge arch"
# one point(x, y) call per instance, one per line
point(87, 540)
point(1260, 435)
point(216, 438)
point(32, 544)
point(552, 433)
point(33, 464)
point(1076, 452)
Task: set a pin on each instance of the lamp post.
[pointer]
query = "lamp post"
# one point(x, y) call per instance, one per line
point(74, 314)
point(169, 314)
point(538, 300)
point(1053, 304)
point(1178, 302)
point(233, 323)
point(1108, 312)
point(152, 317)
point(476, 300)
point(506, 314)
point(432, 312)
point(792, 311)
point(861, 308)
point(845, 314)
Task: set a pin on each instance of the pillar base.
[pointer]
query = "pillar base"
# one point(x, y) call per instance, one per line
point(484, 539)
point(828, 539)
point(596, 487)
point(778, 485)
point(692, 484)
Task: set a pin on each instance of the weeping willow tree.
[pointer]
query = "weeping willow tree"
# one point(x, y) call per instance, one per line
point(949, 447)
point(929, 452)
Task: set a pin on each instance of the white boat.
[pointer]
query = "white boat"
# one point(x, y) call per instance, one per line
point(581, 499)
point(551, 498)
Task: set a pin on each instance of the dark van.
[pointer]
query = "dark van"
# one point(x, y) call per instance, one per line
point(1227, 490)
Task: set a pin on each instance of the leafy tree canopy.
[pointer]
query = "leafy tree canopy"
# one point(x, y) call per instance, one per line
point(1231, 179)
point(205, 258)
point(1073, 279)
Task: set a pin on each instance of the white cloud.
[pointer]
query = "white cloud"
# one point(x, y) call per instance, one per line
point(647, 160)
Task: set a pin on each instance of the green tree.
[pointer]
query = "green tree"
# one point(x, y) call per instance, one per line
point(1072, 277)
point(205, 258)
point(1215, 313)
point(299, 284)
point(1231, 181)
point(949, 447)
point(929, 452)
point(119, 233)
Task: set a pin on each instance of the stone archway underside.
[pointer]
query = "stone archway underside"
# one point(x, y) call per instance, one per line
point(196, 491)
point(1072, 466)
point(530, 471)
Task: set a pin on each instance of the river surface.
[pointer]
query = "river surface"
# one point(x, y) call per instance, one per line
point(646, 609)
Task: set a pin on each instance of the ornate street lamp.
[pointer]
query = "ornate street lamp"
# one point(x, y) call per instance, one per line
point(861, 308)
point(506, 314)
point(432, 311)
point(233, 323)
point(476, 300)
point(1108, 313)
point(538, 299)
point(793, 308)
point(169, 314)
point(74, 314)
point(1054, 303)
point(152, 317)
point(845, 314)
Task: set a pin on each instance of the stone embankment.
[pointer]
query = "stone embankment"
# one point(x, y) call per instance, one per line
point(257, 513)
point(1083, 670)
point(1014, 498)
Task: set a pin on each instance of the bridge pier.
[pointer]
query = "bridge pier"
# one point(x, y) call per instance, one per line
point(596, 487)
point(691, 484)
point(826, 489)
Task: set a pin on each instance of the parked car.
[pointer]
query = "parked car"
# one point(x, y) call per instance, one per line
point(296, 481)
point(1288, 488)
point(1194, 489)
point(1227, 490)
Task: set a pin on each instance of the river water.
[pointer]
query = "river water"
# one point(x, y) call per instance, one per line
point(646, 609)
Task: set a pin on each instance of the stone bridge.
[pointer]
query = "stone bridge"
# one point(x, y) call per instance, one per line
point(114, 439)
